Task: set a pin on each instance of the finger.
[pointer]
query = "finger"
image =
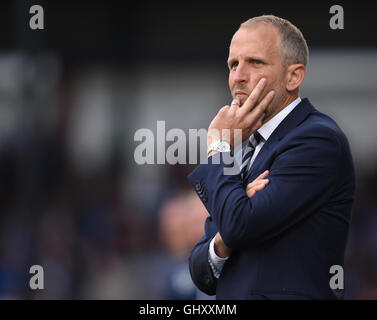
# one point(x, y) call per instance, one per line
point(255, 116)
point(255, 189)
point(251, 193)
point(250, 187)
point(263, 175)
point(261, 186)
point(236, 103)
point(257, 181)
point(255, 184)
point(253, 98)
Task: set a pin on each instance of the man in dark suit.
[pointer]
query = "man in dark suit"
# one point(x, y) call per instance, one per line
point(279, 224)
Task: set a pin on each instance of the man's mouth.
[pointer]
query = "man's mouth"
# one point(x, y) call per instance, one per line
point(241, 93)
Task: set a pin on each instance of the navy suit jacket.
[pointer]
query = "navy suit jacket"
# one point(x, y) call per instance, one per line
point(284, 239)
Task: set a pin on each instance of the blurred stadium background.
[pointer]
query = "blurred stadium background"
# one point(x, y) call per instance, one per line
point(73, 200)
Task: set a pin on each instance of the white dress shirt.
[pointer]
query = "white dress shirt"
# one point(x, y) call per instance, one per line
point(265, 131)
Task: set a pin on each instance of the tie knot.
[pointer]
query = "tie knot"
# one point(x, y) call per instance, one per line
point(257, 136)
point(255, 139)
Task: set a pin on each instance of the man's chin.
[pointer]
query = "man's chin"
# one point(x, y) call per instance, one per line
point(241, 97)
point(242, 100)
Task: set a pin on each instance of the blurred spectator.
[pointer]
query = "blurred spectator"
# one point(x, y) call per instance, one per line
point(181, 226)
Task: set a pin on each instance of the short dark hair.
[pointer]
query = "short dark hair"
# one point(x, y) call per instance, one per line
point(292, 42)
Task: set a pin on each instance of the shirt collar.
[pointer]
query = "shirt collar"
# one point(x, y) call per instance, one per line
point(268, 128)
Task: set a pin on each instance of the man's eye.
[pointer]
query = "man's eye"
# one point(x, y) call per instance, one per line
point(257, 61)
point(234, 64)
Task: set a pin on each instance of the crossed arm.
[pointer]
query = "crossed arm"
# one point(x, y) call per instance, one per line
point(200, 269)
point(301, 180)
point(252, 188)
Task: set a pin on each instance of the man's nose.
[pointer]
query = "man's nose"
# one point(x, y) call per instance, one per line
point(241, 75)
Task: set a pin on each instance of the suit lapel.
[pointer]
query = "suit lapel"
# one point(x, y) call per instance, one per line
point(291, 121)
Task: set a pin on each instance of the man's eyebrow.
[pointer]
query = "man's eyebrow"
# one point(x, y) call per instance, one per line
point(249, 58)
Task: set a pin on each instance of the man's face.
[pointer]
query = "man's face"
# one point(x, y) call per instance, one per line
point(254, 54)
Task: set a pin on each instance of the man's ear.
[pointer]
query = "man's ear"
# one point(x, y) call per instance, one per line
point(295, 76)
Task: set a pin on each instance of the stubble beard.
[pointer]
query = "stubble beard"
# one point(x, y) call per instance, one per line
point(275, 106)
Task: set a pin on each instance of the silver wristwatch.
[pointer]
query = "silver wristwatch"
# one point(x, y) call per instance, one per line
point(219, 145)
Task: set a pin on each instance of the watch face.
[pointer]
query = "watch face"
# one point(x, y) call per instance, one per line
point(213, 146)
point(220, 146)
point(223, 147)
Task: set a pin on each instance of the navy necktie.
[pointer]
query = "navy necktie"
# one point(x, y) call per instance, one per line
point(254, 140)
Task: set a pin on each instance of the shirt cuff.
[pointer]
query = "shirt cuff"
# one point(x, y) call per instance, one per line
point(214, 260)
